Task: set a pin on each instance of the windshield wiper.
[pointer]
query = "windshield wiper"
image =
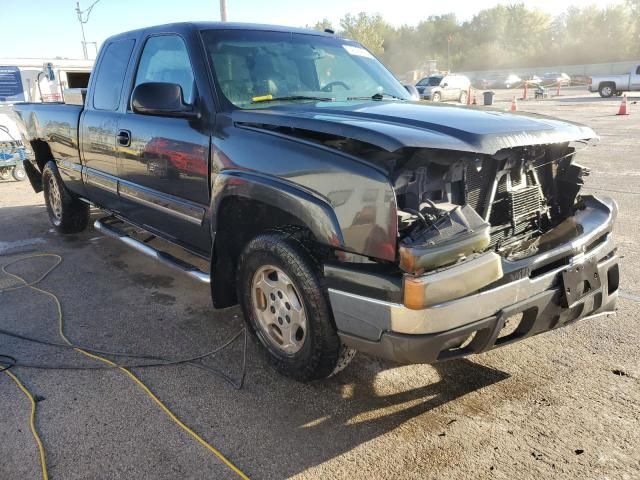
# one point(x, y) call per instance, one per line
point(377, 96)
point(271, 98)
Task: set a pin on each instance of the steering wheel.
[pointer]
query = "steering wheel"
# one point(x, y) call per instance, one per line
point(329, 86)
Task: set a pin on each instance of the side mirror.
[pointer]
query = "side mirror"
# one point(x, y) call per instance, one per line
point(162, 99)
point(51, 76)
point(413, 91)
point(444, 85)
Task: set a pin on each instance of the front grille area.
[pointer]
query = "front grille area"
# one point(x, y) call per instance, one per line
point(477, 187)
point(525, 202)
point(516, 205)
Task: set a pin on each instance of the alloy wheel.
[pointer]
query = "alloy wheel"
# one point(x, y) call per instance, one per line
point(279, 309)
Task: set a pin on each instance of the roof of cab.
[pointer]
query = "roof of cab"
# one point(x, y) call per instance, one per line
point(183, 26)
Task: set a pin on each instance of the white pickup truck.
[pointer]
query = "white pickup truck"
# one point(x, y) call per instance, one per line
point(609, 85)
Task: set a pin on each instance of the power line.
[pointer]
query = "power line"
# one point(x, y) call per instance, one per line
point(83, 17)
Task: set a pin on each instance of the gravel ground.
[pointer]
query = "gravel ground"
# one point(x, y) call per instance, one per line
point(561, 405)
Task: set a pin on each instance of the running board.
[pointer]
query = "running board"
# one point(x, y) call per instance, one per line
point(159, 255)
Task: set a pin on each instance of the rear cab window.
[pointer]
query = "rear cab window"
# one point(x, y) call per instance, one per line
point(110, 77)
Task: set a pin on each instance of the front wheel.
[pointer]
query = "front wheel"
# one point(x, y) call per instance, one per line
point(285, 304)
point(66, 213)
point(463, 97)
point(19, 173)
point(436, 97)
point(5, 173)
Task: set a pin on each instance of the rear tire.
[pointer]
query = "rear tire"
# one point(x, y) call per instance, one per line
point(19, 173)
point(67, 213)
point(436, 97)
point(463, 98)
point(5, 173)
point(285, 304)
point(606, 90)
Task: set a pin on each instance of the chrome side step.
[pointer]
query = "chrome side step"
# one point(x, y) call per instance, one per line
point(159, 255)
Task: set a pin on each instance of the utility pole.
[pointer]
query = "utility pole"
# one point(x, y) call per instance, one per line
point(449, 38)
point(223, 10)
point(84, 19)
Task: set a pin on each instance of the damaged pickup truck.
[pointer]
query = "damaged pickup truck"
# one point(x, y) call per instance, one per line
point(337, 212)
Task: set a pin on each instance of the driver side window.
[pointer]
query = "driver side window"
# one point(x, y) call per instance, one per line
point(165, 59)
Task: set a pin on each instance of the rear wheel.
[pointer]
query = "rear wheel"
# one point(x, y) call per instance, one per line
point(463, 97)
point(606, 90)
point(66, 213)
point(436, 97)
point(19, 173)
point(5, 173)
point(285, 304)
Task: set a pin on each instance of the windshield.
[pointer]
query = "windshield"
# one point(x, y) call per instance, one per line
point(255, 69)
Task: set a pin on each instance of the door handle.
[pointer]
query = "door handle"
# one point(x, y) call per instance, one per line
point(124, 138)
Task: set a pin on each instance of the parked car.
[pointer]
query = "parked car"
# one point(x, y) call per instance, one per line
point(608, 85)
point(442, 88)
point(340, 215)
point(499, 81)
point(552, 79)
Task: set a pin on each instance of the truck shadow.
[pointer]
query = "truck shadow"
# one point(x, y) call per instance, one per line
point(357, 408)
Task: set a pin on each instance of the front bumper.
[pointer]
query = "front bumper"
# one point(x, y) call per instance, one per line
point(534, 298)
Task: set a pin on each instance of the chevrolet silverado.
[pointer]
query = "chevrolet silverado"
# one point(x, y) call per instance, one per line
point(337, 212)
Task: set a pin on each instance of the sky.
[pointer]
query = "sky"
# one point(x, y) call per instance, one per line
point(50, 28)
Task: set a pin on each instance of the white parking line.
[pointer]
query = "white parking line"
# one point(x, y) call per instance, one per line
point(6, 246)
point(630, 296)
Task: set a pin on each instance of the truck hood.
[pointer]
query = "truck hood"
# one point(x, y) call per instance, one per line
point(392, 125)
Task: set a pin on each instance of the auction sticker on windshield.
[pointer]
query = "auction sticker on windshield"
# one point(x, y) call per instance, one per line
point(359, 51)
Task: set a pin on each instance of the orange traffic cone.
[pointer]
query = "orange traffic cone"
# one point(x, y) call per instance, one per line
point(514, 105)
point(623, 106)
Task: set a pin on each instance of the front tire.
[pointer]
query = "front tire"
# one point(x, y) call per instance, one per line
point(66, 213)
point(436, 97)
point(463, 98)
point(285, 304)
point(5, 173)
point(19, 173)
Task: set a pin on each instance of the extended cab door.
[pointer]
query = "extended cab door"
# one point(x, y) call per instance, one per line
point(99, 122)
point(164, 159)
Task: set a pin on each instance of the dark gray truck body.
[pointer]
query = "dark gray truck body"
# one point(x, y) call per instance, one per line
point(520, 241)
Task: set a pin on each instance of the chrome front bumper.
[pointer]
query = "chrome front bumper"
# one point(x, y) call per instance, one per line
point(362, 321)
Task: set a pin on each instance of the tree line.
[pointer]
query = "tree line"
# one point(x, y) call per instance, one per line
point(505, 36)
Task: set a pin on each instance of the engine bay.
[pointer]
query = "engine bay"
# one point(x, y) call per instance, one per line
point(455, 204)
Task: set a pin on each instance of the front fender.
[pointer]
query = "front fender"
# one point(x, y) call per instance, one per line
point(309, 210)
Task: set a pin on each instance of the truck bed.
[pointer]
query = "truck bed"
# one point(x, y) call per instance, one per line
point(52, 124)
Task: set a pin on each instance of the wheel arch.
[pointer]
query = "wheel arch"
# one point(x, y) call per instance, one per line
point(246, 204)
point(34, 166)
point(606, 83)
